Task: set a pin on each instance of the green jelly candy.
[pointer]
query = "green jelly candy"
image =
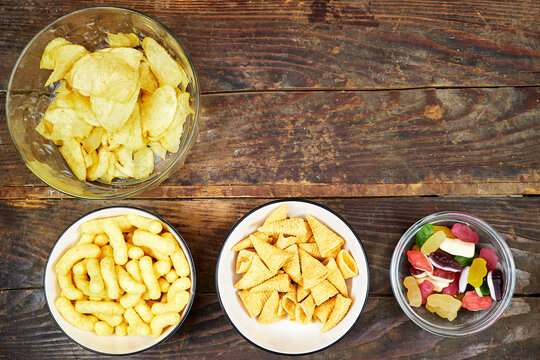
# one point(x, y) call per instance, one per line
point(465, 261)
point(484, 289)
point(423, 234)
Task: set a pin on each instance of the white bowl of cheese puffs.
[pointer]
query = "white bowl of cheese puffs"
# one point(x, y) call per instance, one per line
point(119, 280)
point(292, 277)
point(103, 103)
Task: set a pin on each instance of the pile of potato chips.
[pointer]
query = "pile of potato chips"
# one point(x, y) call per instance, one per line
point(126, 276)
point(306, 252)
point(116, 107)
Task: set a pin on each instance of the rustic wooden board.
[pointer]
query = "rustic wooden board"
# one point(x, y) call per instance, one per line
point(367, 143)
point(383, 331)
point(27, 236)
point(266, 44)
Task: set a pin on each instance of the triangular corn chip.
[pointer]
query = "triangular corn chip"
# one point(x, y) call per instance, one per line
point(327, 240)
point(313, 271)
point(281, 283)
point(280, 213)
point(272, 256)
point(301, 293)
point(254, 302)
point(312, 249)
point(292, 226)
point(281, 310)
point(256, 274)
point(307, 236)
point(243, 261)
point(246, 243)
point(269, 313)
point(323, 291)
point(341, 307)
point(322, 312)
point(335, 277)
point(304, 310)
point(289, 301)
point(311, 239)
point(333, 254)
point(346, 264)
point(283, 242)
point(292, 265)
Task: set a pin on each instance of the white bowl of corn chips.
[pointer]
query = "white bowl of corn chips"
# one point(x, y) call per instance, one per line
point(292, 277)
point(119, 281)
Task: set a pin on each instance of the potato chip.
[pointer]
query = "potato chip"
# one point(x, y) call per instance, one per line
point(281, 283)
point(304, 311)
point(283, 242)
point(292, 226)
point(158, 113)
point(124, 161)
point(171, 139)
point(166, 70)
point(110, 114)
point(72, 153)
point(323, 291)
point(123, 40)
point(64, 58)
point(346, 264)
point(100, 167)
point(335, 277)
point(322, 312)
point(246, 243)
point(143, 163)
point(312, 249)
point(158, 149)
point(341, 307)
point(147, 80)
point(256, 274)
point(327, 240)
point(269, 312)
point(292, 265)
point(272, 256)
point(130, 134)
point(47, 61)
point(313, 271)
point(254, 302)
point(280, 213)
point(82, 73)
point(63, 124)
point(301, 293)
point(243, 261)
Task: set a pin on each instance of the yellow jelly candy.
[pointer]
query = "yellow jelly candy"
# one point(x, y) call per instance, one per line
point(413, 294)
point(477, 272)
point(433, 242)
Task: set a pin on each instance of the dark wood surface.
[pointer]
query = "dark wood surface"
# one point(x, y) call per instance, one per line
point(384, 111)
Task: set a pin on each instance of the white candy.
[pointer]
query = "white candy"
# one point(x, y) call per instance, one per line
point(457, 247)
point(463, 279)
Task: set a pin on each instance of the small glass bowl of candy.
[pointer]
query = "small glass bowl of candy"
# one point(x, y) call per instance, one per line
point(441, 260)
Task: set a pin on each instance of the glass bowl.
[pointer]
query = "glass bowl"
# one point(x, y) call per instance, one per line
point(27, 100)
point(467, 322)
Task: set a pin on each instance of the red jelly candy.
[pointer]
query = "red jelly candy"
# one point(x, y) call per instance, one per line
point(417, 273)
point(490, 257)
point(443, 275)
point(464, 233)
point(419, 260)
point(453, 288)
point(471, 301)
point(426, 288)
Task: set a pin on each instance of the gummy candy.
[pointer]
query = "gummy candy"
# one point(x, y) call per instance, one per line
point(495, 284)
point(445, 306)
point(465, 261)
point(423, 234)
point(490, 257)
point(443, 261)
point(413, 294)
point(442, 275)
point(463, 279)
point(416, 247)
point(417, 273)
point(471, 301)
point(439, 285)
point(453, 287)
point(483, 290)
point(446, 230)
point(464, 233)
point(458, 247)
point(433, 243)
point(477, 272)
point(426, 288)
point(419, 260)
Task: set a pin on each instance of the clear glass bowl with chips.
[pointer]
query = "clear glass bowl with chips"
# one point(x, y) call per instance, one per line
point(27, 100)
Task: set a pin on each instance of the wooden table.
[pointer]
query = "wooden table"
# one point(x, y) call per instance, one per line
point(385, 111)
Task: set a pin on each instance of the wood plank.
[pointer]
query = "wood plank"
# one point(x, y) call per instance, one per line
point(27, 235)
point(367, 143)
point(280, 44)
point(383, 331)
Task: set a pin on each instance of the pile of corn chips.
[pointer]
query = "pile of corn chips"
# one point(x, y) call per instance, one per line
point(115, 107)
point(126, 276)
point(306, 252)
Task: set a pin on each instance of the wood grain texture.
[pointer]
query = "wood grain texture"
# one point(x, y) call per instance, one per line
point(383, 331)
point(265, 44)
point(367, 143)
point(27, 237)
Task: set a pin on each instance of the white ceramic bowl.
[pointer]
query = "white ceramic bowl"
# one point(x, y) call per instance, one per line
point(112, 344)
point(287, 337)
